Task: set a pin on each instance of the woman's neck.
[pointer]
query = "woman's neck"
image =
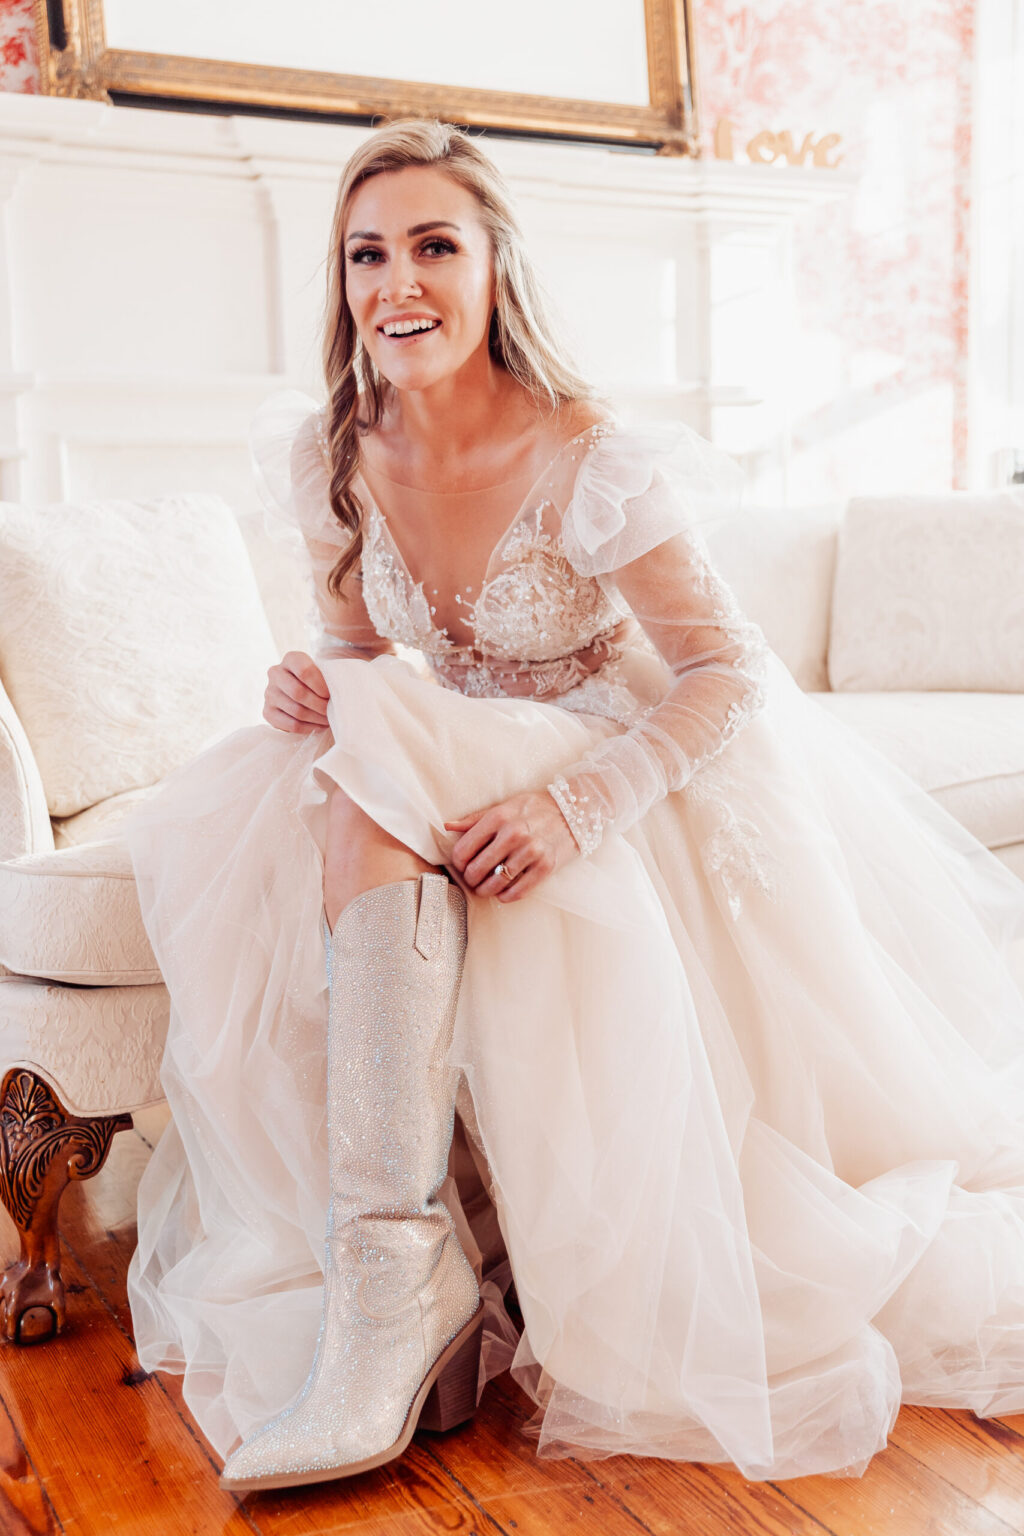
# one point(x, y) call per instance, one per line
point(454, 419)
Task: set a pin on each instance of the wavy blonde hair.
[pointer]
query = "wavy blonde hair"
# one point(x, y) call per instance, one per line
point(522, 337)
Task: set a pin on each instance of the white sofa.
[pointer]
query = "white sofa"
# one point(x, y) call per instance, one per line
point(904, 617)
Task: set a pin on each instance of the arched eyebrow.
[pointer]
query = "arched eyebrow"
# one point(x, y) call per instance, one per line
point(416, 229)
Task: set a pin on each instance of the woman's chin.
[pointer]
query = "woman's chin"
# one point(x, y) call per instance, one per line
point(413, 376)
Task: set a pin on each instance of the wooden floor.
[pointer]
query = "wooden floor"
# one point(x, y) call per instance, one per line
point(91, 1445)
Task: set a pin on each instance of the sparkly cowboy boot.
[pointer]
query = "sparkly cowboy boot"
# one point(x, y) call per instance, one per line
point(400, 1331)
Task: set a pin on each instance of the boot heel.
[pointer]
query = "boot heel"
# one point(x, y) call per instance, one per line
point(452, 1398)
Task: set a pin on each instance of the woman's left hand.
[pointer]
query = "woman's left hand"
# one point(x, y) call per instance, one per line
point(528, 834)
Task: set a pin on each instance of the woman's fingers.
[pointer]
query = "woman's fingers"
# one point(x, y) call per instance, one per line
point(282, 722)
point(495, 851)
point(296, 695)
point(305, 670)
point(496, 884)
point(280, 700)
point(473, 839)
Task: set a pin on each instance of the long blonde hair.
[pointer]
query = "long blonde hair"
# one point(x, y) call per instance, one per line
point(522, 338)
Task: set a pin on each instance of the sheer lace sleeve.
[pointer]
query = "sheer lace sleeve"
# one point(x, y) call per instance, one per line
point(635, 523)
point(290, 465)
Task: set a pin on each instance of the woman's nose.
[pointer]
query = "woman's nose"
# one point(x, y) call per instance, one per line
point(399, 280)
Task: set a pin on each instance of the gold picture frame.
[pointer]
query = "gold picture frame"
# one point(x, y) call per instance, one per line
point(76, 61)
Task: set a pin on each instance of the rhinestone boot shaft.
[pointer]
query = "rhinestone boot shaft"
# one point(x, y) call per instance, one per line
point(400, 1326)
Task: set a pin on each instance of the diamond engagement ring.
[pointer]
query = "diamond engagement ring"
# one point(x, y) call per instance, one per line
point(499, 869)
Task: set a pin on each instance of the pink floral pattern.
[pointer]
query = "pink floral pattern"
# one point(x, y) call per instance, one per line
point(882, 275)
point(19, 58)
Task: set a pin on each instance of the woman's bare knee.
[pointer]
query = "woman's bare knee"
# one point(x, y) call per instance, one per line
point(360, 854)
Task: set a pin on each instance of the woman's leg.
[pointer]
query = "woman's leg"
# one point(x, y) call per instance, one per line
point(360, 855)
point(399, 1341)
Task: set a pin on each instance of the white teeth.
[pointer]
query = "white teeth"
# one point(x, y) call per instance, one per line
point(406, 327)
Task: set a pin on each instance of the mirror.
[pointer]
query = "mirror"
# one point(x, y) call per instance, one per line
point(611, 70)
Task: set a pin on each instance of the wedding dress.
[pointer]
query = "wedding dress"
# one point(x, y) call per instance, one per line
point(742, 1088)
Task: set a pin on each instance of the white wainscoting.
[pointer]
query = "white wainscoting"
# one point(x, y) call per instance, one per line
point(161, 272)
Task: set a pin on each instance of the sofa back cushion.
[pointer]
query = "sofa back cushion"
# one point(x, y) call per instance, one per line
point(131, 636)
point(929, 593)
point(779, 563)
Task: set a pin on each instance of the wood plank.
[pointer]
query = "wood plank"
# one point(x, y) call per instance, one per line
point(517, 1488)
point(981, 1457)
point(24, 1507)
point(897, 1496)
point(656, 1496)
point(412, 1496)
point(706, 1500)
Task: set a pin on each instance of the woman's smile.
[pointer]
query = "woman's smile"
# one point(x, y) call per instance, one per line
point(406, 328)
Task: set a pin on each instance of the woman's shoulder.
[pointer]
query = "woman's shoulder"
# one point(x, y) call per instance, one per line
point(577, 417)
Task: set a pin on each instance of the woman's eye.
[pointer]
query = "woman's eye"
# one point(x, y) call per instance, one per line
point(436, 245)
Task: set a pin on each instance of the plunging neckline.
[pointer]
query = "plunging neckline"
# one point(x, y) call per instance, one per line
point(441, 631)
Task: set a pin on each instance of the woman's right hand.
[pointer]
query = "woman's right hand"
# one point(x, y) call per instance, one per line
point(296, 696)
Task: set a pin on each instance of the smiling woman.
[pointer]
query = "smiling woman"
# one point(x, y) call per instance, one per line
point(587, 953)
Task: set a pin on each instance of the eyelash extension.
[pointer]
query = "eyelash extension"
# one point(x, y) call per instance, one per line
point(449, 245)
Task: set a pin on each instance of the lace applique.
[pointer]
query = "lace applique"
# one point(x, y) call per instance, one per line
point(736, 850)
point(751, 660)
point(538, 607)
point(606, 693)
point(537, 612)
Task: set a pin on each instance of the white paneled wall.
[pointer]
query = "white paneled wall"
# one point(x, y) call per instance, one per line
point(161, 272)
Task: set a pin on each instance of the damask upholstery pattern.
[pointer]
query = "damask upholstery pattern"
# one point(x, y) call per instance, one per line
point(109, 614)
point(101, 1051)
point(929, 593)
point(73, 916)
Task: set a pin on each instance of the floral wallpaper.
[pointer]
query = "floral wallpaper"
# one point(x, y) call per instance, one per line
point(19, 61)
point(881, 274)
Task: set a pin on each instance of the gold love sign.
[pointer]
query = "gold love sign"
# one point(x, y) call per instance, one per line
point(766, 147)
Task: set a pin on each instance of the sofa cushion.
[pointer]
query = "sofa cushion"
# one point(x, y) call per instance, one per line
point(131, 636)
point(73, 915)
point(779, 563)
point(100, 821)
point(967, 749)
point(101, 1050)
point(929, 594)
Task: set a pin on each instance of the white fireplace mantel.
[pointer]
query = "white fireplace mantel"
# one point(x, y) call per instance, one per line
point(160, 272)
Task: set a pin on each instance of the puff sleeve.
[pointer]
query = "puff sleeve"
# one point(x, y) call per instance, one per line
point(635, 522)
point(290, 466)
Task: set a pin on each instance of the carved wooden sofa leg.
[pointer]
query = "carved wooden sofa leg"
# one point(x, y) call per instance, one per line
point(42, 1147)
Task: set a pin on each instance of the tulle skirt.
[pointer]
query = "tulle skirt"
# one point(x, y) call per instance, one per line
point(741, 1095)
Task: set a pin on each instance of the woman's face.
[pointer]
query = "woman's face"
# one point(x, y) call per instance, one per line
point(415, 249)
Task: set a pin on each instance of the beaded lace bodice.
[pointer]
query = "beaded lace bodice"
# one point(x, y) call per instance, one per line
point(540, 627)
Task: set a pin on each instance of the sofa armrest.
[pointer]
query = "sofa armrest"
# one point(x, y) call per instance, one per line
point(24, 815)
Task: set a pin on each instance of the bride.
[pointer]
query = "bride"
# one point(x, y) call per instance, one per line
point(567, 992)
